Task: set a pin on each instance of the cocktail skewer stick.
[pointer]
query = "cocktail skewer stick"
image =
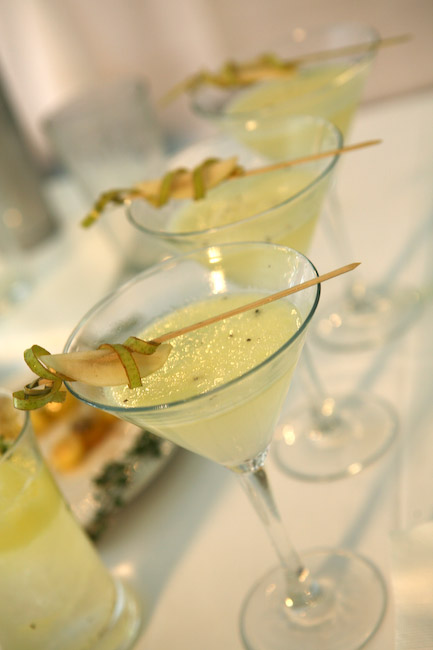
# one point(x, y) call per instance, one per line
point(123, 363)
point(347, 50)
point(257, 303)
point(312, 157)
point(182, 183)
point(223, 79)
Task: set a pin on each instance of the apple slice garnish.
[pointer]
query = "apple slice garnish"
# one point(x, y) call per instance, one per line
point(104, 367)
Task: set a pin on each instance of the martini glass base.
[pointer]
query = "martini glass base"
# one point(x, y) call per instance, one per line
point(337, 437)
point(367, 317)
point(345, 614)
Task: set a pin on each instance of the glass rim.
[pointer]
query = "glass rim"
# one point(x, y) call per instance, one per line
point(222, 115)
point(154, 270)
point(171, 235)
point(24, 424)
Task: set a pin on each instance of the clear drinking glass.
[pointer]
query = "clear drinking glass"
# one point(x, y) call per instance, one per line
point(108, 136)
point(330, 86)
point(330, 436)
point(54, 590)
point(330, 598)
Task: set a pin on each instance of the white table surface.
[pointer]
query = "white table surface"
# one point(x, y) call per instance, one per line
point(190, 543)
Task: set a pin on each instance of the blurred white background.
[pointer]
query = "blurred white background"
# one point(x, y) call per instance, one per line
point(50, 50)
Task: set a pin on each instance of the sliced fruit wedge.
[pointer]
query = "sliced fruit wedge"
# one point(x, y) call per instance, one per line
point(182, 184)
point(103, 367)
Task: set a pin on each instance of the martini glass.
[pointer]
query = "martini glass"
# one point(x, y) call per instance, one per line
point(329, 597)
point(365, 316)
point(327, 86)
point(330, 436)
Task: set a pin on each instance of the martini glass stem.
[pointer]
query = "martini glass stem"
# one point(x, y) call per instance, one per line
point(314, 382)
point(325, 422)
point(301, 589)
point(325, 418)
point(340, 240)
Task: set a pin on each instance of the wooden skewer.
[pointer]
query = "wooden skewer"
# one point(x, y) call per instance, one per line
point(182, 188)
point(351, 49)
point(310, 158)
point(179, 191)
point(76, 366)
point(321, 55)
point(257, 303)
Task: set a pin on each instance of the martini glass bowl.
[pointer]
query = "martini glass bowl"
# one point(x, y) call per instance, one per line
point(280, 206)
point(332, 598)
point(326, 85)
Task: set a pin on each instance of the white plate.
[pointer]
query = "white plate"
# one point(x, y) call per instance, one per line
point(94, 504)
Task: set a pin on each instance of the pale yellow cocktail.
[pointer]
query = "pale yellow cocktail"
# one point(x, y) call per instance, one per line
point(55, 593)
point(208, 358)
point(236, 202)
point(327, 90)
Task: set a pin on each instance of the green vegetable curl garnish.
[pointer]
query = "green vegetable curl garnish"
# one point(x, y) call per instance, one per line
point(47, 386)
